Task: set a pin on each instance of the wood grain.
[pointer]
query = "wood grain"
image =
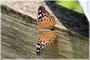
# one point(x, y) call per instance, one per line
point(18, 32)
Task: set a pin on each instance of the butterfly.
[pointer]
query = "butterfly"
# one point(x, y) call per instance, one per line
point(45, 21)
point(46, 35)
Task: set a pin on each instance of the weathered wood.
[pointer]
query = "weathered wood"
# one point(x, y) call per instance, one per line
point(30, 8)
point(18, 39)
point(18, 36)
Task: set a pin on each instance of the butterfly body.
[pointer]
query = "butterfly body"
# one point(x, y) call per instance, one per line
point(46, 23)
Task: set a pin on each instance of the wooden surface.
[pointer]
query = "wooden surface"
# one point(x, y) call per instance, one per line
point(18, 32)
point(30, 8)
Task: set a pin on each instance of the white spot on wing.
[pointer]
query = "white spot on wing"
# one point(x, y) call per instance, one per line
point(37, 50)
point(43, 18)
point(41, 42)
point(38, 46)
point(39, 15)
point(40, 11)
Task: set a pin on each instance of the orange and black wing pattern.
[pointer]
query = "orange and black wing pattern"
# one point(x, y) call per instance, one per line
point(44, 40)
point(45, 21)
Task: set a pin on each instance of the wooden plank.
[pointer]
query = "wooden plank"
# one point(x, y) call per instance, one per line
point(18, 39)
point(30, 8)
point(66, 18)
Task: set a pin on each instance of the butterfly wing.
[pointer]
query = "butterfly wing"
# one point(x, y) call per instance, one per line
point(44, 40)
point(44, 19)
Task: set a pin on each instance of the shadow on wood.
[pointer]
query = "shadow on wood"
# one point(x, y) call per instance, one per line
point(74, 21)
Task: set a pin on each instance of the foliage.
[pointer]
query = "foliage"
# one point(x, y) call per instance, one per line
point(72, 4)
